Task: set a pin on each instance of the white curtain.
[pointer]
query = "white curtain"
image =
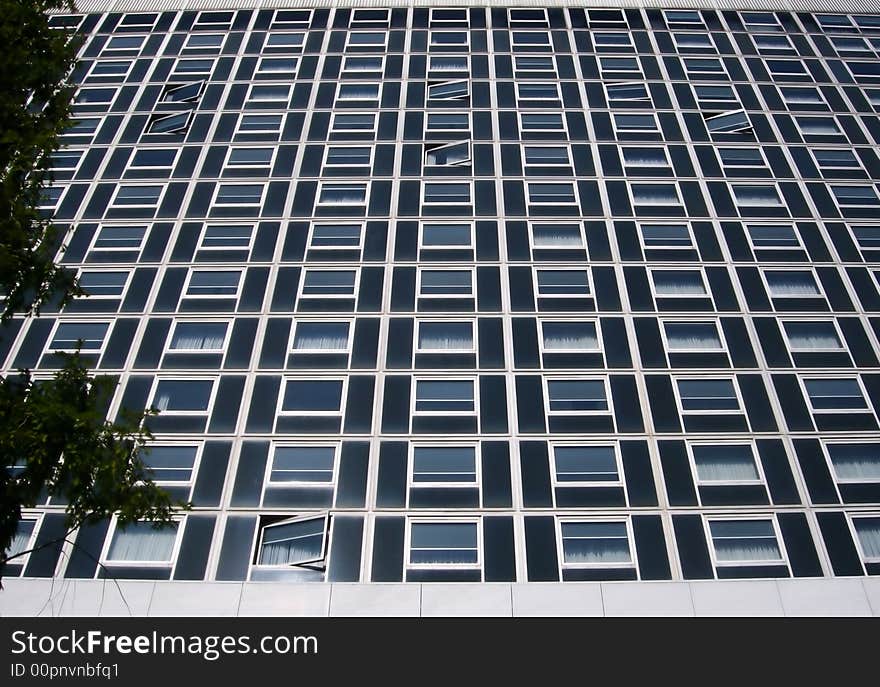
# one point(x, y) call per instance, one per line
point(140, 541)
point(595, 542)
point(725, 463)
point(868, 530)
point(856, 461)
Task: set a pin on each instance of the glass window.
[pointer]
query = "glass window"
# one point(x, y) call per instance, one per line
point(447, 192)
point(443, 543)
point(89, 336)
point(537, 91)
point(170, 464)
point(533, 121)
point(714, 94)
point(312, 395)
point(655, 194)
point(336, 236)
point(267, 96)
point(448, 39)
point(138, 196)
point(279, 42)
point(858, 462)
point(239, 194)
point(21, 540)
point(110, 68)
point(367, 38)
point(666, 235)
point(362, 66)
point(293, 542)
point(725, 463)
point(693, 336)
point(444, 396)
point(599, 542)
point(103, 284)
point(154, 158)
point(773, 236)
point(258, 124)
point(321, 336)
point(818, 126)
point(585, 464)
point(349, 155)
point(557, 235)
point(745, 541)
point(188, 68)
point(183, 395)
point(141, 542)
point(558, 194)
point(678, 283)
point(277, 67)
point(293, 465)
point(446, 336)
point(569, 336)
point(802, 95)
point(445, 283)
point(836, 159)
point(448, 90)
point(791, 283)
point(812, 336)
point(576, 395)
point(223, 236)
point(199, 336)
point(358, 91)
point(448, 155)
point(835, 394)
point(855, 195)
point(644, 157)
point(444, 465)
point(213, 283)
point(563, 282)
point(343, 194)
point(203, 42)
point(707, 395)
point(183, 94)
point(329, 283)
point(756, 195)
point(868, 533)
point(169, 125)
point(446, 235)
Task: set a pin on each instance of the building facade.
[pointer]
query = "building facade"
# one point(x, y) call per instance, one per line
point(483, 293)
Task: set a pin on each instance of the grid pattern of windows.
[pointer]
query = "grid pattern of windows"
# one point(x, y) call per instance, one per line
point(481, 294)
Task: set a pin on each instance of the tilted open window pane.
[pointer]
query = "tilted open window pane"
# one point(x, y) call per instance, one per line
point(293, 543)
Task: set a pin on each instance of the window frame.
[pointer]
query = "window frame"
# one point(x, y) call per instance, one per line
point(115, 527)
point(562, 268)
point(727, 517)
point(542, 347)
point(587, 443)
point(819, 288)
point(301, 484)
point(416, 520)
point(298, 322)
point(560, 544)
point(197, 458)
point(195, 270)
point(867, 410)
point(413, 446)
point(794, 349)
point(97, 351)
point(728, 377)
point(851, 518)
point(340, 296)
point(826, 452)
point(719, 332)
point(419, 349)
point(474, 412)
point(169, 349)
point(101, 296)
point(550, 413)
point(261, 533)
point(723, 441)
point(170, 377)
point(343, 397)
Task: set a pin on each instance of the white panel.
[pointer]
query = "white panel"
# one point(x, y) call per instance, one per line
point(466, 599)
point(872, 590)
point(647, 598)
point(740, 597)
point(195, 599)
point(824, 597)
point(557, 599)
point(375, 599)
point(284, 599)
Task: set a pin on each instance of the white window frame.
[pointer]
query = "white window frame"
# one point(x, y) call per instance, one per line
point(656, 294)
point(324, 185)
point(762, 165)
point(452, 351)
point(337, 116)
point(49, 349)
point(780, 542)
point(411, 465)
point(666, 164)
point(279, 22)
point(349, 85)
point(109, 563)
point(259, 103)
point(301, 484)
point(442, 203)
point(209, 320)
point(427, 247)
point(318, 224)
point(121, 76)
point(118, 190)
point(630, 187)
point(99, 296)
point(600, 344)
point(23, 558)
point(341, 296)
point(228, 164)
point(867, 410)
point(684, 223)
point(475, 397)
point(178, 71)
point(197, 459)
point(347, 72)
point(189, 49)
point(553, 203)
point(407, 548)
point(617, 119)
point(343, 397)
point(421, 270)
point(521, 116)
point(609, 410)
point(573, 223)
point(372, 31)
point(203, 235)
point(737, 394)
point(431, 148)
point(298, 322)
point(560, 549)
point(722, 441)
point(215, 296)
point(586, 270)
point(262, 70)
point(588, 443)
point(261, 530)
point(825, 443)
point(793, 349)
point(266, 117)
point(850, 519)
point(818, 284)
point(282, 47)
point(719, 332)
point(164, 377)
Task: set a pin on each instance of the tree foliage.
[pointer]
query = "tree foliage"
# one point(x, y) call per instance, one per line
point(34, 110)
point(55, 440)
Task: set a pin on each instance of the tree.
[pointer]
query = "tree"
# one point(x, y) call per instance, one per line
point(55, 439)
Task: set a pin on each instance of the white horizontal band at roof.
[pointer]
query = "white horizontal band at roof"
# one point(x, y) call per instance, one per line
point(831, 6)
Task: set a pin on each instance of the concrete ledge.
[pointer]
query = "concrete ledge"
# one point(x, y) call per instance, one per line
point(92, 598)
